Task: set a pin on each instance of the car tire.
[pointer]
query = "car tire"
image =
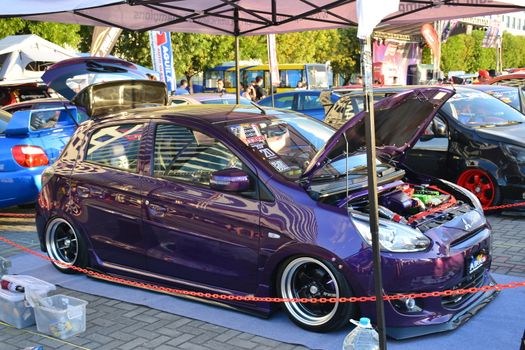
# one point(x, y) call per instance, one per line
point(308, 277)
point(481, 184)
point(65, 246)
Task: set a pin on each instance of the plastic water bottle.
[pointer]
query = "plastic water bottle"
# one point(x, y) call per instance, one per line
point(362, 337)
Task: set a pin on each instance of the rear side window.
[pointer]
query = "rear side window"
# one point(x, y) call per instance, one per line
point(4, 120)
point(116, 146)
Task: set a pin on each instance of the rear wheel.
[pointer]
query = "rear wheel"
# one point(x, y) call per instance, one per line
point(307, 277)
point(65, 246)
point(481, 184)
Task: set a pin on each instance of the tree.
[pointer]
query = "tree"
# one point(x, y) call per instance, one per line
point(194, 53)
point(133, 47)
point(346, 57)
point(60, 34)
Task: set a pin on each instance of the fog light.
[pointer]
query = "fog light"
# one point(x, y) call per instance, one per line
point(406, 305)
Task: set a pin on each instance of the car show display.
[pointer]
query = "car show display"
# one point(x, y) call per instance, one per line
point(309, 208)
point(146, 174)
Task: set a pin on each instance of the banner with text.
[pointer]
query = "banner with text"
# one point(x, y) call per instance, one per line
point(272, 60)
point(162, 57)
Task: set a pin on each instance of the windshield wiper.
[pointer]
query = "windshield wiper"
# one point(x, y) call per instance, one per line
point(493, 125)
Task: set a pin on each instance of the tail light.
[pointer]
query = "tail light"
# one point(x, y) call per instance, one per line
point(29, 156)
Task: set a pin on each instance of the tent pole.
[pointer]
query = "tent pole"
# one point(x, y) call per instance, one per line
point(237, 71)
point(367, 73)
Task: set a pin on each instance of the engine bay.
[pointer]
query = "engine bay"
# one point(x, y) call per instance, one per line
point(422, 206)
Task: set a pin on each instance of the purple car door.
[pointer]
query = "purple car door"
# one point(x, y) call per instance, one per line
point(196, 233)
point(105, 195)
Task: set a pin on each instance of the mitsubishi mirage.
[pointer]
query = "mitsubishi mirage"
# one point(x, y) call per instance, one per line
point(246, 201)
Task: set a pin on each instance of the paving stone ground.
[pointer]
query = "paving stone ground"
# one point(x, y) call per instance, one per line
point(112, 324)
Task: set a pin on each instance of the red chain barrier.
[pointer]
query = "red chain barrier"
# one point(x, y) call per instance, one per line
point(216, 296)
point(17, 215)
point(505, 206)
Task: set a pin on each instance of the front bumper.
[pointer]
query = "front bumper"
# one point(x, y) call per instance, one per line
point(20, 187)
point(452, 262)
point(476, 302)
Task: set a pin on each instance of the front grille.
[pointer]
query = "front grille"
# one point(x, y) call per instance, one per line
point(467, 236)
point(438, 219)
point(473, 280)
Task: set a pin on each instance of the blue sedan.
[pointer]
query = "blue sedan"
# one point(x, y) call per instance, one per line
point(31, 140)
point(304, 101)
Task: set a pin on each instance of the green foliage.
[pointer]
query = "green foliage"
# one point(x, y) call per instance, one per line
point(465, 52)
point(346, 54)
point(134, 47)
point(61, 34)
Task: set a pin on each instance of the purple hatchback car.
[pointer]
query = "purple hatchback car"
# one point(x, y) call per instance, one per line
point(248, 201)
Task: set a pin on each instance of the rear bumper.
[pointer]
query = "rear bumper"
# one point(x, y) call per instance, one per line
point(20, 187)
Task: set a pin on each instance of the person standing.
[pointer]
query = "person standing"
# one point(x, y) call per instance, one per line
point(183, 88)
point(220, 87)
point(259, 91)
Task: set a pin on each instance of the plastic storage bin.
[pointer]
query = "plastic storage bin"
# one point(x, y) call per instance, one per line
point(61, 316)
point(15, 310)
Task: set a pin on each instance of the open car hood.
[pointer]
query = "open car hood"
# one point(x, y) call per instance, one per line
point(400, 121)
point(103, 85)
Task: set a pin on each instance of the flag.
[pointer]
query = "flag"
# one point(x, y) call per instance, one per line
point(272, 60)
point(431, 38)
point(447, 29)
point(371, 12)
point(103, 40)
point(493, 35)
point(162, 57)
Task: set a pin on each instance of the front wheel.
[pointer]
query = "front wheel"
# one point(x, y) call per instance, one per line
point(307, 277)
point(65, 246)
point(481, 184)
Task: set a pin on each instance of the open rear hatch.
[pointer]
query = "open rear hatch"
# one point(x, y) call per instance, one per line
point(103, 85)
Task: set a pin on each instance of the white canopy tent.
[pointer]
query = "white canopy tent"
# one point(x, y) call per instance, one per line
point(23, 58)
point(241, 17)
point(255, 17)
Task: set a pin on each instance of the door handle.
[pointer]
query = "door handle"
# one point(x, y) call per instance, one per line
point(83, 192)
point(157, 210)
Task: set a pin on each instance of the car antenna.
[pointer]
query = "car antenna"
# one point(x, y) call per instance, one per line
point(259, 108)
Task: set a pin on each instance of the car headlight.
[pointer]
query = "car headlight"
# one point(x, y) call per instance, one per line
point(471, 196)
point(393, 237)
point(515, 152)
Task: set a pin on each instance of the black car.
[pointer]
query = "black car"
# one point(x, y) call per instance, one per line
point(475, 140)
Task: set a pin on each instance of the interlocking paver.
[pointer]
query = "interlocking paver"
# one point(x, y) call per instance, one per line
point(113, 324)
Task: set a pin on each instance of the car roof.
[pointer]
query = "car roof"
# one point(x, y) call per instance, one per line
point(202, 113)
point(492, 87)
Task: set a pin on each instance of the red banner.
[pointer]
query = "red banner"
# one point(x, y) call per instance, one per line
point(431, 38)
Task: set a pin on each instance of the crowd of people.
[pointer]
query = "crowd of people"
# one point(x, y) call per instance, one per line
point(253, 91)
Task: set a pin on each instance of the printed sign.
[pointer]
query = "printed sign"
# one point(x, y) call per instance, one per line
point(162, 57)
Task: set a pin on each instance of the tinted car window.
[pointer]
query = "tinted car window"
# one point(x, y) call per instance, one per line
point(4, 120)
point(188, 155)
point(116, 146)
point(309, 101)
point(285, 102)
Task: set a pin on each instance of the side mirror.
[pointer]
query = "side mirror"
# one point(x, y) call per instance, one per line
point(230, 180)
point(440, 130)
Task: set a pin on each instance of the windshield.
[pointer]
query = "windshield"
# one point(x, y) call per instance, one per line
point(4, 120)
point(510, 96)
point(286, 143)
point(478, 109)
